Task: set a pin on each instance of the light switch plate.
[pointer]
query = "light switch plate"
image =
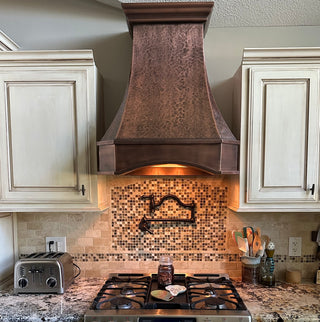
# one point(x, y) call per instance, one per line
point(295, 246)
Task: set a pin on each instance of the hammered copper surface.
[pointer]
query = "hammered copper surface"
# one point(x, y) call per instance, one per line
point(168, 95)
point(169, 114)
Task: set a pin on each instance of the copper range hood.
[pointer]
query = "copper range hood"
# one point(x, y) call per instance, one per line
point(168, 115)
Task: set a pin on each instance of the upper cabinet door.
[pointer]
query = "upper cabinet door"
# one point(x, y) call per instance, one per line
point(283, 135)
point(48, 131)
point(44, 137)
point(277, 117)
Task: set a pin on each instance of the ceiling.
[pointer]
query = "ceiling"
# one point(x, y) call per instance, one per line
point(254, 13)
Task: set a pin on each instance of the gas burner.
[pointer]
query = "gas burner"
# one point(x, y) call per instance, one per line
point(209, 303)
point(214, 303)
point(128, 282)
point(127, 291)
point(210, 291)
point(142, 280)
point(121, 303)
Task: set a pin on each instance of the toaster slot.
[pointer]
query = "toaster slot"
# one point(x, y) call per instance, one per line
point(53, 255)
point(45, 255)
point(35, 255)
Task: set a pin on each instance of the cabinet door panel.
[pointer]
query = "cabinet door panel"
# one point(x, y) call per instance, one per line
point(283, 140)
point(46, 108)
point(44, 135)
point(284, 143)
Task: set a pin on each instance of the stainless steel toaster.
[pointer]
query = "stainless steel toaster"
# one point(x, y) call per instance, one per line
point(50, 272)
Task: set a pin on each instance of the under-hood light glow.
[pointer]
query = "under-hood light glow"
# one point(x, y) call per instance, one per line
point(169, 165)
point(168, 170)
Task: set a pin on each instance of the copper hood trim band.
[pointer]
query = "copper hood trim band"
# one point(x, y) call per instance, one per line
point(214, 158)
point(167, 12)
point(167, 141)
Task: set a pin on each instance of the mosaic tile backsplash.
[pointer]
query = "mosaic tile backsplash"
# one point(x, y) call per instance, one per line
point(207, 234)
point(111, 241)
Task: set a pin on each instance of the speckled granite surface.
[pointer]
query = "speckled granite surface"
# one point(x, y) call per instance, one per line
point(285, 302)
point(67, 307)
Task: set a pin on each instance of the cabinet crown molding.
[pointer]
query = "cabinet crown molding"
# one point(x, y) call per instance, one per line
point(48, 57)
point(281, 55)
point(7, 44)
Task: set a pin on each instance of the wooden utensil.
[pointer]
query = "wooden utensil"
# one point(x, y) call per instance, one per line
point(256, 245)
point(243, 244)
point(238, 234)
point(250, 239)
point(235, 235)
point(248, 232)
point(162, 295)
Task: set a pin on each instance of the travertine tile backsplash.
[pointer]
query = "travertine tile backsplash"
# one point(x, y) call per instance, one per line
point(111, 241)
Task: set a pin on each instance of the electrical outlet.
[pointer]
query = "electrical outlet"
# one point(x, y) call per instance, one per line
point(295, 246)
point(56, 244)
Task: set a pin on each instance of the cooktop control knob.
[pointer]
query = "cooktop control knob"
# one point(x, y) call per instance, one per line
point(51, 282)
point(22, 282)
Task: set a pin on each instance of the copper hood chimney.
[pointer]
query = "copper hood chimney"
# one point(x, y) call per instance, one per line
point(168, 115)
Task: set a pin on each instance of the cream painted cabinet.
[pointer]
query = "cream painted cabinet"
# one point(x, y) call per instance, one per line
point(48, 102)
point(9, 253)
point(278, 102)
point(8, 222)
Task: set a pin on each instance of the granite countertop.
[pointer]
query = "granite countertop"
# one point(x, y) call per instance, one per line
point(68, 307)
point(287, 302)
point(283, 302)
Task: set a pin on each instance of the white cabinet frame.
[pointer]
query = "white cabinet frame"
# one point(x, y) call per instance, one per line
point(277, 103)
point(48, 123)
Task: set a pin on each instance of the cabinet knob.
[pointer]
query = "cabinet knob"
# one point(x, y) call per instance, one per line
point(82, 190)
point(312, 189)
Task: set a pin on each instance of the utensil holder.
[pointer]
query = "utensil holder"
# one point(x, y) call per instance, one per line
point(250, 269)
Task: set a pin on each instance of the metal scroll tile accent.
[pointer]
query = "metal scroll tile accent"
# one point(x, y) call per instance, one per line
point(145, 223)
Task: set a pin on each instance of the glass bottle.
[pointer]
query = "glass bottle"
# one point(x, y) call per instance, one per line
point(267, 269)
point(165, 271)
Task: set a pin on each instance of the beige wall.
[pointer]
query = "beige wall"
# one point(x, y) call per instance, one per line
point(71, 24)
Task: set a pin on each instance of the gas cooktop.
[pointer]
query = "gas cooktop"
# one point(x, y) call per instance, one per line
point(208, 297)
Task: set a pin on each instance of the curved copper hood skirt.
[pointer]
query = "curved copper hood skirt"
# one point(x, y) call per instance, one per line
point(168, 115)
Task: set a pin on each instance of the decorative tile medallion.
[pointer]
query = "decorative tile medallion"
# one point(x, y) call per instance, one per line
point(208, 233)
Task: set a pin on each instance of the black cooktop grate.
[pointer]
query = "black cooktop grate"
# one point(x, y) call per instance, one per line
point(133, 291)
